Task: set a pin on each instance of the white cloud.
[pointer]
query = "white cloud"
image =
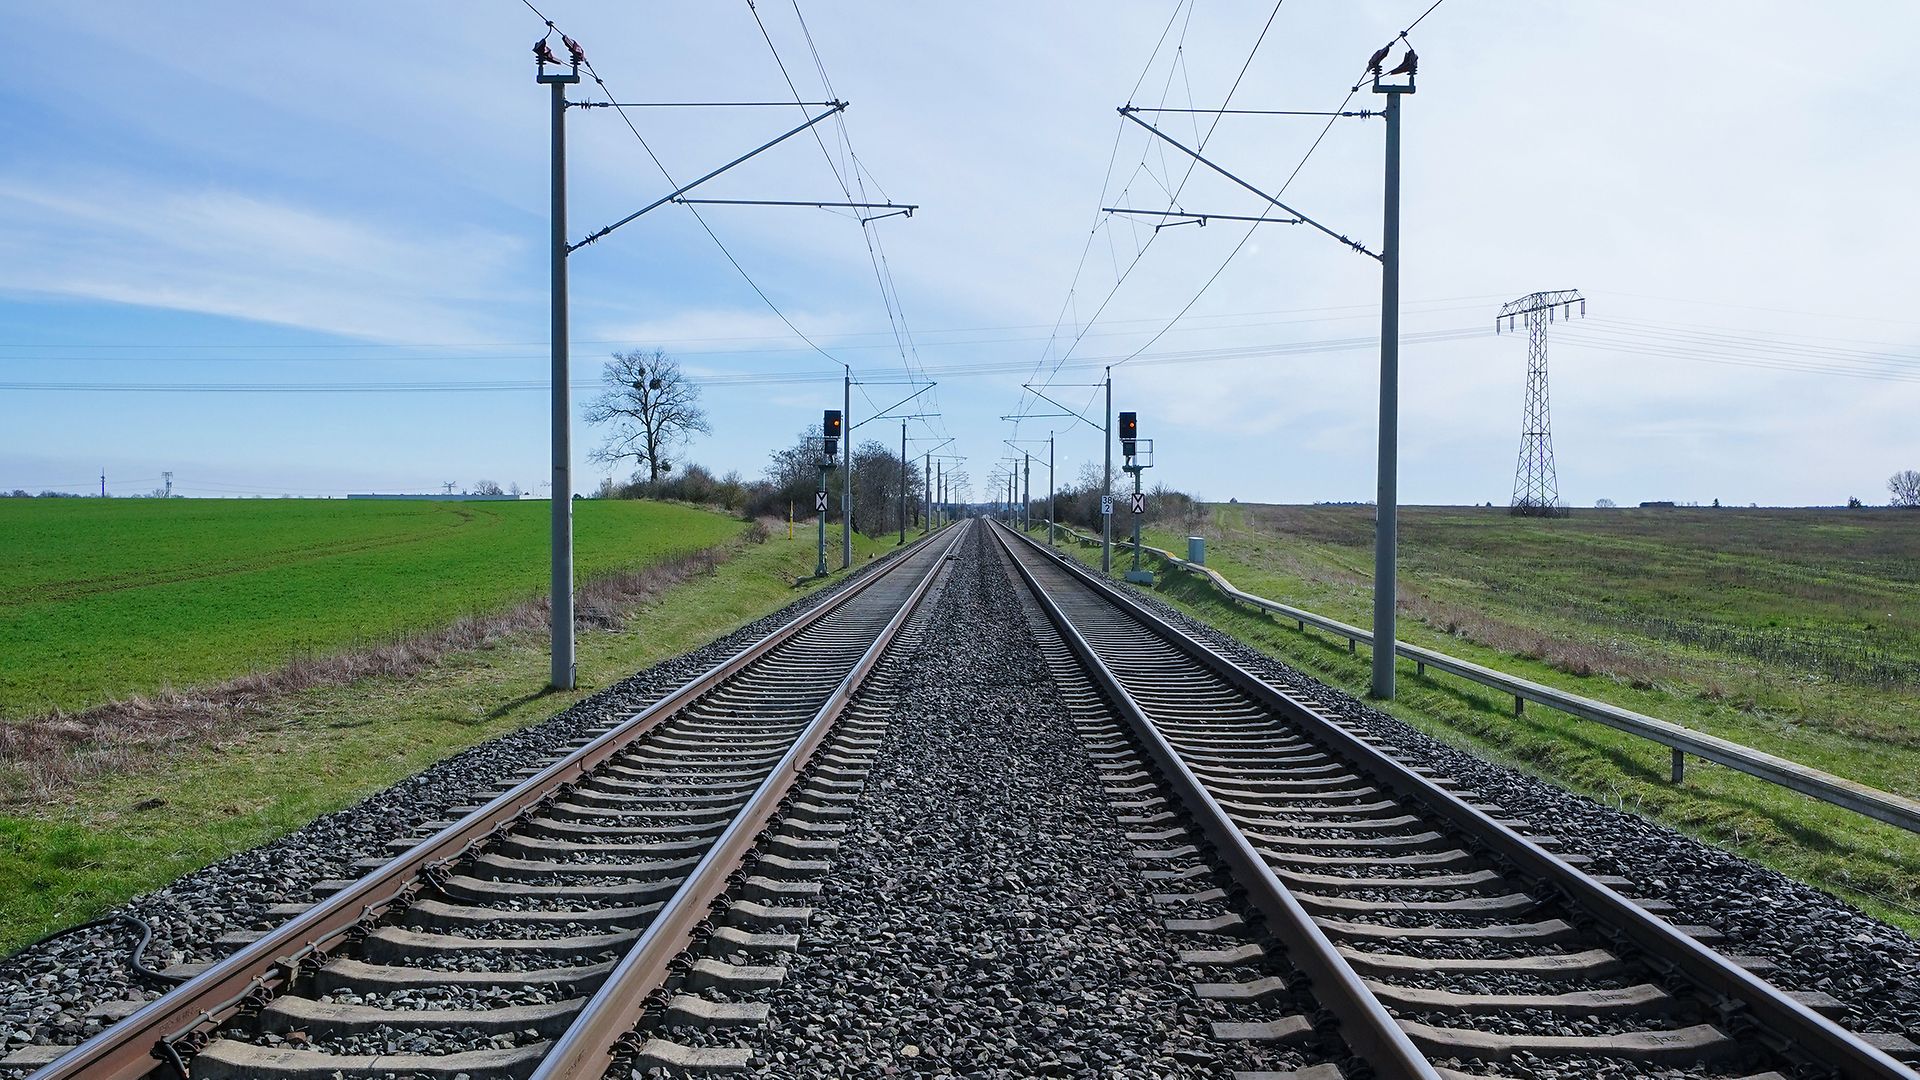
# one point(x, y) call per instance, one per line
point(224, 252)
point(1550, 146)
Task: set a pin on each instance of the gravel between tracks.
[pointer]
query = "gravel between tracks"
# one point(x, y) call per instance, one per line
point(47, 990)
point(1819, 941)
point(983, 918)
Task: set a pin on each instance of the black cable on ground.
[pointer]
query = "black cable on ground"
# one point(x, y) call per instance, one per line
point(135, 959)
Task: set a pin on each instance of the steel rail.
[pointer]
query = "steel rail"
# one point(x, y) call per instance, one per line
point(257, 971)
point(586, 1050)
point(1366, 1025)
point(1896, 810)
point(1771, 1012)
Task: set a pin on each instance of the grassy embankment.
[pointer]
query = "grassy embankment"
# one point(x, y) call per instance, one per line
point(1796, 632)
point(104, 599)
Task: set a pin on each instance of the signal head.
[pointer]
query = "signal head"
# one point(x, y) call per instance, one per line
point(830, 433)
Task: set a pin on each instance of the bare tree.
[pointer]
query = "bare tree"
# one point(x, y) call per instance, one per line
point(487, 487)
point(876, 492)
point(1604, 504)
point(650, 407)
point(1905, 486)
point(793, 472)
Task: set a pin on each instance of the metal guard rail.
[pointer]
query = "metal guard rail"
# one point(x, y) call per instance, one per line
point(1872, 802)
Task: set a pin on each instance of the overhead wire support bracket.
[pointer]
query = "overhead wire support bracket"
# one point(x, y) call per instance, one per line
point(1190, 218)
point(836, 108)
point(1031, 389)
point(901, 208)
point(698, 104)
point(1354, 113)
point(1129, 111)
point(881, 415)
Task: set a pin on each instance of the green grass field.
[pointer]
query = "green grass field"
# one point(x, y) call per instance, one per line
point(103, 598)
point(291, 757)
point(1796, 631)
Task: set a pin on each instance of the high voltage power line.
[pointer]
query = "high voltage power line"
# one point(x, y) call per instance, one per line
point(1364, 312)
point(1746, 350)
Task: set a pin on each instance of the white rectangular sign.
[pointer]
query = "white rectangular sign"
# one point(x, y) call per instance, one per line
point(1139, 502)
point(1106, 506)
point(820, 501)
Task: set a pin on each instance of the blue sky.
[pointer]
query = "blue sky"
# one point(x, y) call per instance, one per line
point(223, 196)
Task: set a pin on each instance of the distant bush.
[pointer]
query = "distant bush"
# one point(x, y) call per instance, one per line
point(693, 484)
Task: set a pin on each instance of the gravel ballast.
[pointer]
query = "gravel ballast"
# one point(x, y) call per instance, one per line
point(983, 919)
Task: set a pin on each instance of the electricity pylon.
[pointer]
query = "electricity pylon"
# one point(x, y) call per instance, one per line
point(1536, 488)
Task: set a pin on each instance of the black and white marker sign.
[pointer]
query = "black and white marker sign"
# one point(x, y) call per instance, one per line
point(820, 501)
point(1106, 506)
point(1139, 502)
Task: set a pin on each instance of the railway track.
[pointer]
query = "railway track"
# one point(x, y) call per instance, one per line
point(623, 908)
point(529, 937)
point(1437, 938)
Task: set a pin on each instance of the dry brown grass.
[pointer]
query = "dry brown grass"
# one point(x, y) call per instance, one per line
point(1573, 656)
point(41, 755)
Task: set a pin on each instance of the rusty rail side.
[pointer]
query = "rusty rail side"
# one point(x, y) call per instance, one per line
point(586, 1050)
point(1366, 1025)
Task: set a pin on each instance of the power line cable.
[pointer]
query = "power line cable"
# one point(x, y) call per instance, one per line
point(621, 109)
point(876, 249)
point(1231, 255)
point(1173, 200)
point(1472, 302)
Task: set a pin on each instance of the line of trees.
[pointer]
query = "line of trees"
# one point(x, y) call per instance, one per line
point(793, 476)
point(649, 410)
point(1076, 503)
point(787, 485)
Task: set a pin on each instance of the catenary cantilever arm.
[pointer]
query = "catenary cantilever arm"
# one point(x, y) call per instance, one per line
point(1129, 112)
point(838, 106)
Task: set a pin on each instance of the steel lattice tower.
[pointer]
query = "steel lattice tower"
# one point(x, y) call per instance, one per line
point(1536, 488)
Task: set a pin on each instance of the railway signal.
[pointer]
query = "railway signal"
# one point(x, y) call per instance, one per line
point(1138, 453)
point(829, 444)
